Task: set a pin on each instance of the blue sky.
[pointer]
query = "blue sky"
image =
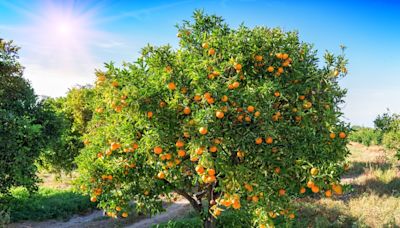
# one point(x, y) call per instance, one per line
point(64, 41)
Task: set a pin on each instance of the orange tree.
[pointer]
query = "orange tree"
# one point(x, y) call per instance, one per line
point(233, 119)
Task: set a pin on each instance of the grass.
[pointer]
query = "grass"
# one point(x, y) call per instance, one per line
point(47, 203)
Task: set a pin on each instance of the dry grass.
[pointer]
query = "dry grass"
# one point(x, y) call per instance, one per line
point(372, 199)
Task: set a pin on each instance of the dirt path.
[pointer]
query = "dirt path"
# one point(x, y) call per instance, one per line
point(96, 219)
point(176, 210)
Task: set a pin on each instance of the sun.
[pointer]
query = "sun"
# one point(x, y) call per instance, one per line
point(64, 28)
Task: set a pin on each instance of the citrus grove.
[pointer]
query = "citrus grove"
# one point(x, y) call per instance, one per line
point(233, 119)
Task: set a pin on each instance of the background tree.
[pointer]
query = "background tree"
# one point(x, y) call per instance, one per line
point(234, 119)
point(73, 112)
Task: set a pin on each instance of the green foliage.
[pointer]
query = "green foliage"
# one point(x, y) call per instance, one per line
point(391, 140)
point(366, 136)
point(47, 203)
point(387, 122)
point(73, 113)
point(142, 121)
point(21, 130)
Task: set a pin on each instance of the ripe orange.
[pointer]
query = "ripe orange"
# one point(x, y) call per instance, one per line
point(197, 97)
point(302, 190)
point(115, 84)
point(211, 172)
point(335, 73)
point(282, 192)
point(258, 58)
point(162, 104)
point(203, 130)
point(213, 149)
point(277, 170)
point(199, 151)
point(254, 199)
point(285, 56)
point(257, 114)
point(171, 86)
point(161, 175)
point(149, 114)
point(187, 111)
point(307, 105)
point(286, 63)
point(270, 69)
point(210, 100)
point(199, 169)
point(248, 187)
point(118, 208)
point(310, 184)
point(204, 45)
point(224, 98)
point(217, 141)
point(240, 154)
point(219, 114)
point(93, 199)
point(211, 51)
point(236, 204)
point(328, 193)
point(337, 189)
point(342, 135)
point(315, 189)
point(210, 179)
point(280, 70)
point(258, 141)
point(181, 153)
point(302, 97)
point(238, 66)
point(115, 146)
point(217, 212)
point(235, 85)
point(332, 135)
point(207, 95)
point(277, 94)
point(168, 156)
point(292, 216)
point(124, 215)
point(158, 150)
point(269, 140)
point(250, 108)
point(179, 144)
point(279, 55)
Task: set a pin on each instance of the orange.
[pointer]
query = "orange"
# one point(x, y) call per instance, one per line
point(168, 156)
point(171, 86)
point(328, 193)
point(254, 199)
point(93, 199)
point(162, 104)
point(115, 84)
point(292, 216)
point(258, 141)
point(211, 179)
point(310, 184)
point(186, 134)
point(280, 70)
point(286, 63)
point(277, 170)
point(335, 73)
point(124, 215)
point(181, 153)
point(302, 190)
point(118, 208)
point(213, 149)
point(211, 51)
point(269, 140)
point(219, 114)
point(217, 141)
point(235, 85)
point(197, 97)
point(236, 204)
point(161, 175)
point(238, 66)
point(337, 189)
point(186, 111)
point(285, 56)
point(207, 95)
point(314, 171)
point(240, 154)
point(158, 150)
point(270, 69)
point(211, 172)
point(168, 69)
point(199, 151)
point(282, 192)
point(248, 187)
point(302, 97)
point(315, 189)
point(258, 58)
point(217, 212)
point(279, 55)
point(332, 135)
point(277, 94)
point(149, 114)
point(250, 108)
point(179, 144)
point(204, 45)
point(203, 130)
point(224, 98)
point(115, 146)
point(342, 135)
point(199, 169)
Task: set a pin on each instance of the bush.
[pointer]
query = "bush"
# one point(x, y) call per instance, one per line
point(366, 136)
point(240, 118)
point(45, 204)
point(391, 140)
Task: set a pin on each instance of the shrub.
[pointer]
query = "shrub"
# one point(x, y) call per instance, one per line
point(234, 118)
point(366, 136)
